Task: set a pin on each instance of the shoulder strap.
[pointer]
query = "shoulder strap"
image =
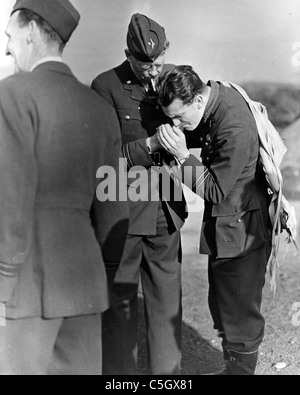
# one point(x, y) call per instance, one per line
point(270, 141)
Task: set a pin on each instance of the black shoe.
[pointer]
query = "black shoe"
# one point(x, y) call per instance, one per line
point(238, 364)
point(241, 364)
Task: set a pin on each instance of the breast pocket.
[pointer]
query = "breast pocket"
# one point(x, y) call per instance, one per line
point(131, 124)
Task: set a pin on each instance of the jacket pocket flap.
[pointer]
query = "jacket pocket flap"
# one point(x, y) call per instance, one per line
point(237, 203)
point(129, 114)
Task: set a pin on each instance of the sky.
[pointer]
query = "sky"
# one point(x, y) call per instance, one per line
point(237, 40)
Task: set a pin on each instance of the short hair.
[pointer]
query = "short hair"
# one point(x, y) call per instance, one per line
point(50, 35)
point(182, 82)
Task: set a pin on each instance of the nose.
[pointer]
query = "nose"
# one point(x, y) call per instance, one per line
point(154, 72)
point(153, 75)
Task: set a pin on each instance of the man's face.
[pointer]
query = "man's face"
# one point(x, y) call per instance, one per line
point(190, 115)
point(18, 43)
point(146, 72)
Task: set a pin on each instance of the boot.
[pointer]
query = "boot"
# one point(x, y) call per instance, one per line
point(241, 364)
point(238, 364)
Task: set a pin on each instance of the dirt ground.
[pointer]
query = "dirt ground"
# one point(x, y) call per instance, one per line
point(201, 347)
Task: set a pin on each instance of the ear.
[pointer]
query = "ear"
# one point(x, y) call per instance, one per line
point(128, 55)
point(32, 30)
point(199, 101)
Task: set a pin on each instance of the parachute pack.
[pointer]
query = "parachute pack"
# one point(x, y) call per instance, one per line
point(272, 151)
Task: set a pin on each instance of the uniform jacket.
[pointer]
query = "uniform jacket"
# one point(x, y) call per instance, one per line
point(139, 116)
point(236, 219)
point(55, 133)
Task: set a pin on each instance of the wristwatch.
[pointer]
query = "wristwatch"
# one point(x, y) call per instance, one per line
point(182, 161)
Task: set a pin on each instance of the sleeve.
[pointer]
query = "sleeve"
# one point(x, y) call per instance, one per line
point(193, 175)
point(230, 158)
point(18, 180)
point(137, 153)
point(232, 153)
point(110, 218)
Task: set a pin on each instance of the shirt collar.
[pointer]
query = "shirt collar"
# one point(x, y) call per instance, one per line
point(45, 60)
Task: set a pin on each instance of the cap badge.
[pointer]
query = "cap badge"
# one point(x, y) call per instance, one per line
point(151, 43)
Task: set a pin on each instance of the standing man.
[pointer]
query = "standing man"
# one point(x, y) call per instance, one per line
point(153, 247)
point(55, 133)
point(236, 233)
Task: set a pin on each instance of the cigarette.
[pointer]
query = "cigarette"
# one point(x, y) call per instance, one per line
point(153, 85)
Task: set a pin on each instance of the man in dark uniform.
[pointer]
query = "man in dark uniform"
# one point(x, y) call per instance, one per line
point(236, 226)
point(55, 134)
point(153, 248)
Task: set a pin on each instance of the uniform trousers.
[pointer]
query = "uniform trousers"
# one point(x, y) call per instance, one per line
point(235, 298)
point(157, 261)
point(35, 346)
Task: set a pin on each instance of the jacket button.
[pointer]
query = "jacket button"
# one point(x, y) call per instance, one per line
point(239, 221)
point(127, 117)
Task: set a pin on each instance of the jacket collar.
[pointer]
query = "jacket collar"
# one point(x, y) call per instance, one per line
point(47, 59)
point(212, 101)
point(56, 67)
point(126, 74)
point(131, 83)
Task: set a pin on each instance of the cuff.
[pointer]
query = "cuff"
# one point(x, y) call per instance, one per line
point(192, 161)
point(9, 270)
point(137, 154)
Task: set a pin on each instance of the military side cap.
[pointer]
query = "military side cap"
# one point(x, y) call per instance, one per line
point(145, 39)
point(61, 15)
